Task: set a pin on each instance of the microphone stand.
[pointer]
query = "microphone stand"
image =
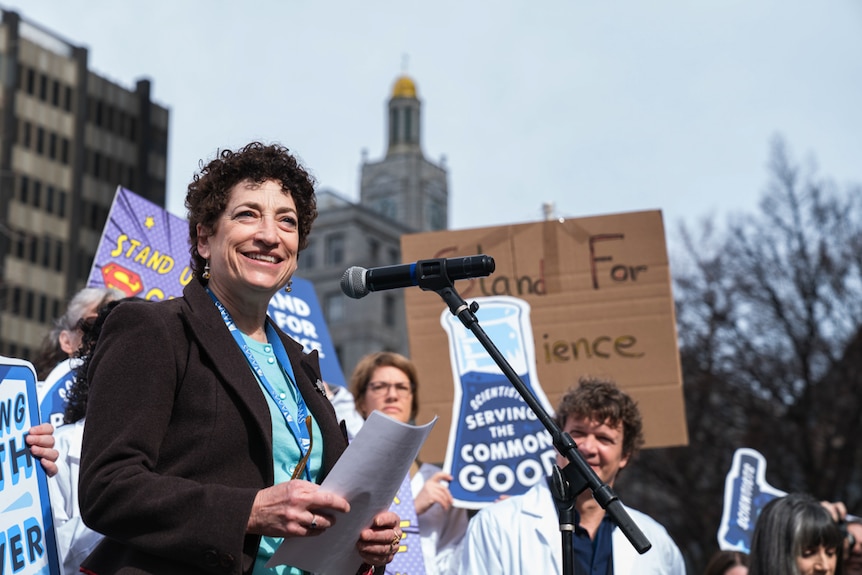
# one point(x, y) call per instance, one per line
point(564, 499)
point(577, 475)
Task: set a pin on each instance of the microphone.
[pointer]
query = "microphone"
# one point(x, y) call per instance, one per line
point(357, 282)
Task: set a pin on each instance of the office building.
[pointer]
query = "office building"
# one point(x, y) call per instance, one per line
point(68, 138)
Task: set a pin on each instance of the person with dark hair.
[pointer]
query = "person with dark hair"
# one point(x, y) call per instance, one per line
point(63, 340)
point(516, 535)
point(74, 539)
point(388, 382)
point(796, 535)
point(727, 562)
point(853, 563)
point(208, 431)
point(54, 366)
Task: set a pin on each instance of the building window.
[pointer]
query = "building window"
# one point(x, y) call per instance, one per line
point(58, 260)
point(407, 126)
point(55, 94)
point(24, 190)
point(43, 87)
point(46, 252)
point(16, 301)
point(334, 249)
point(43, 308)
point(25, 133)
point(31, 81)
point(20, 247)
point(52, 146)
point(40, 140)
point(309, 261)
point(64, 151)
point(61, 203)
point(389, 310)
point(37, 193)
point(373, 251)
point(28, 305)
point(33, 250)
point(67, 100)
point(334, 307)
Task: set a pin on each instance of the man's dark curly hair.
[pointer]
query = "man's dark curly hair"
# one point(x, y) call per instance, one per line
point(602, 401)
point(209, 192)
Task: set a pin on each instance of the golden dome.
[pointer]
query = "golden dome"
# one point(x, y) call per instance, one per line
point(404, 88)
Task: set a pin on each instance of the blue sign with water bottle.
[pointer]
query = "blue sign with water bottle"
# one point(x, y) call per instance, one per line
point(497, 446)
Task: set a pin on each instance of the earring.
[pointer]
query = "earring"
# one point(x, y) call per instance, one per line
point(206, 274)
point(289, 287)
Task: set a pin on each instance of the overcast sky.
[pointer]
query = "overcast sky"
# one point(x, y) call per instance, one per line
point(597, 107)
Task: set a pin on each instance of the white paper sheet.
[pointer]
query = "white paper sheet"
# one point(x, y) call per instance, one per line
point(368, 475)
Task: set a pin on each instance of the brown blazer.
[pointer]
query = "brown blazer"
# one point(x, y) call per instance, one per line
point(178, 439)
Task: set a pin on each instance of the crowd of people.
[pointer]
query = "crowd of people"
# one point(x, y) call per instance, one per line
point(197, 433)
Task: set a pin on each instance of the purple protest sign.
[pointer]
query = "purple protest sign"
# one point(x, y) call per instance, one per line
point(144, 252)
point(409, 560)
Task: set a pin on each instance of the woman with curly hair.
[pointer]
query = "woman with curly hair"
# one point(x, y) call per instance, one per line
point(208, 431)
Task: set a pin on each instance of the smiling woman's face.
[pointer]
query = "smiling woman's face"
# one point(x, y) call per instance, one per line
point(252, 250)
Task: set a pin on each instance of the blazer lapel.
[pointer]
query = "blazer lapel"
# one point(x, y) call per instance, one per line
point(230, 364)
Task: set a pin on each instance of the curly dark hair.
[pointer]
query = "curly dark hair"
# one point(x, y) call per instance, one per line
point(601, 400)
point(209, 192)
point(79, 392)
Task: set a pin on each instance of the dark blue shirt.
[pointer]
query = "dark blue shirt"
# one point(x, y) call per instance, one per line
point(594, 557)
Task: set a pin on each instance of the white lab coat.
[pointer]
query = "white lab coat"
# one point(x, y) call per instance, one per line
point(522, 535)
point(440, 531)
point(74, 539)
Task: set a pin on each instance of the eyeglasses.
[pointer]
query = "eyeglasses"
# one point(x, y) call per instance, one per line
point(382, 388)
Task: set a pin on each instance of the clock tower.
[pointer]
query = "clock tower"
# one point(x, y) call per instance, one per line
point(404, 186)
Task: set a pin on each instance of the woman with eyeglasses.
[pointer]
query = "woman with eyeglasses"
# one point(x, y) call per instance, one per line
point(208, 432)
point(387, 382)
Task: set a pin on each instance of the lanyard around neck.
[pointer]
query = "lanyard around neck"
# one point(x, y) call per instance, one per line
point(301, 433)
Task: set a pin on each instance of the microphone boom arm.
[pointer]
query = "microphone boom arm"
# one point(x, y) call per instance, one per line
point(578, 473)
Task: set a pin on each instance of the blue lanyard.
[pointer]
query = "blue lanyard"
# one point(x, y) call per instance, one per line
point(300, 432)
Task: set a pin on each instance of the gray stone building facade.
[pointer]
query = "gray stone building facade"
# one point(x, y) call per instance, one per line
point(402, 193)
point(68, 138)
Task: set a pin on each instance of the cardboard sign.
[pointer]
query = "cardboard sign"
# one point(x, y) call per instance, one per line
point(600, 297)
point(144, 252)
point(27, 541)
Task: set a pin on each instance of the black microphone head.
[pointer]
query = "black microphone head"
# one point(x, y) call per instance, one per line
point(353, 282)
